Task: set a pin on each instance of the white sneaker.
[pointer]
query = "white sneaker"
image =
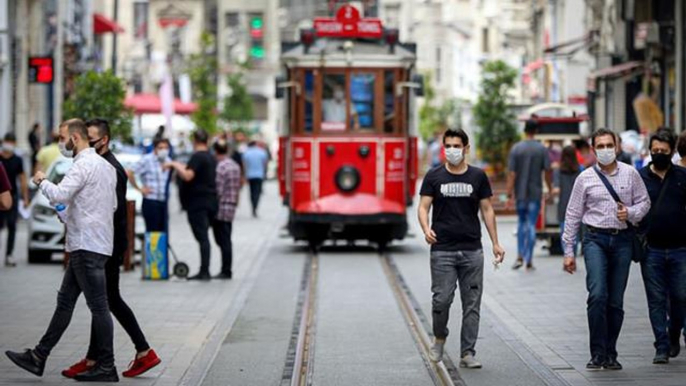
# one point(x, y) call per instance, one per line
point(10, 262)
point(469, 362)
point(436, 352)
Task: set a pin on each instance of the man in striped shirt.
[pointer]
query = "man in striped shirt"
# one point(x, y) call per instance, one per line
point(155, 181)
point(228, 180)
point(607, 244)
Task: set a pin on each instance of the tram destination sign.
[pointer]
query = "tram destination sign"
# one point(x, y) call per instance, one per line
point(348, 23)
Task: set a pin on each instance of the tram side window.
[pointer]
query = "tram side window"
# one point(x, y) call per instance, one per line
point(362, 100)
point(389, 116)
point(309, 98)
point(334, 98)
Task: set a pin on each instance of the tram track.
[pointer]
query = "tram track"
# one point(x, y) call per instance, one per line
point(299, 366)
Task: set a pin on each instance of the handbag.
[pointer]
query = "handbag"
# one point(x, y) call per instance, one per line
point(639, 240)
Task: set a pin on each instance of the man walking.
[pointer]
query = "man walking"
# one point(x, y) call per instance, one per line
point(664, 268)
point(14, 166)
point(255, 161)
point(457, 191)
point(199, 176)
point(155, 182)
point(527, 162)
point(146, 358)
point(228, 181)
point(88, 192)
point(607, 244)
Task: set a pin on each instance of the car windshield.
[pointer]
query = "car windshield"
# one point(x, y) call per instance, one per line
point(58, 172)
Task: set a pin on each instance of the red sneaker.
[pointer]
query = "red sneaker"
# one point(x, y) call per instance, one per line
point(141, 365)
point(76, 369)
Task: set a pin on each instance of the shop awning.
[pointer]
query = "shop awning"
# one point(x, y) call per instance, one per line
point(103, 25)
point(618, 70)
point(151, 104)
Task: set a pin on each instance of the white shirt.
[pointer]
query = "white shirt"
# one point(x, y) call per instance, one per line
point(89, 192)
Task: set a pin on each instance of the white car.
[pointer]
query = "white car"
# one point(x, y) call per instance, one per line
point(46, 232)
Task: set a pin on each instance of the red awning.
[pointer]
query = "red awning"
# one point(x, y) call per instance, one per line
point(103, 25)
point(151, 104)
point(617, 71)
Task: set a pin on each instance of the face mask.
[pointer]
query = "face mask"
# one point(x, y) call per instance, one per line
point(454, 156)
point(162, 155)
point(95, 142)
point(661, 161)
point(8, 147)
point(606, 156)
point(338, 95)
point(64, 151)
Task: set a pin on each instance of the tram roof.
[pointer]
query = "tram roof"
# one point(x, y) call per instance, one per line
point(363, 53)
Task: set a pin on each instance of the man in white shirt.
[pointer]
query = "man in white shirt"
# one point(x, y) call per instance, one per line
point(334, 109)
point(88, 192)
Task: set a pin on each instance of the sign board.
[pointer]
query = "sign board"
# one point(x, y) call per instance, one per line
point(348, 23)
point(41, 69)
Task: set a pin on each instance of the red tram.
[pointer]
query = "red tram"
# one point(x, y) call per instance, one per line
point(348, 150)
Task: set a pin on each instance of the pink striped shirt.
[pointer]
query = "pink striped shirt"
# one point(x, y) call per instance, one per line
point(593, 205)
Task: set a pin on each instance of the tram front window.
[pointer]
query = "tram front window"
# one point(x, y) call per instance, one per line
point(334, 111)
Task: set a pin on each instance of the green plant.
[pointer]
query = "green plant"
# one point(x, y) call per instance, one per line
point(436, 119)
point(238, 105)
point(202, 69)
point(492, 114)
point(101, 95)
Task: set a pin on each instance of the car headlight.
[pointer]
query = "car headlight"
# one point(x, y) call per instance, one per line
point(347, 178)
point(43, 211)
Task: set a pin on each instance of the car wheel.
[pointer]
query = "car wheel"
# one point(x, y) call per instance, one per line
point(39, 256)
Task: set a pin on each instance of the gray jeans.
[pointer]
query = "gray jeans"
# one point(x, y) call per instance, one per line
point(447, 270)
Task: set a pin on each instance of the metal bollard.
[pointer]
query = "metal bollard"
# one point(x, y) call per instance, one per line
point(130, 234)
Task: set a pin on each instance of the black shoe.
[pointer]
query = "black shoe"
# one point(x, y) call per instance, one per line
point(223, 276)
point(28, 361)
point(674, 349)
point(661, 358)
point(518, 264)
point(98, 374)
point(596, 363)
point(201, 276)
point(612, 364)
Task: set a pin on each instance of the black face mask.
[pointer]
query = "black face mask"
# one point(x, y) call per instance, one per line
point(661, 161)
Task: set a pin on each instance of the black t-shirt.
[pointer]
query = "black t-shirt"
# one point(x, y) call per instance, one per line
point(455, 217)
point(667, 230)
point(120, 239)
point(201, 191)
point(14, 166)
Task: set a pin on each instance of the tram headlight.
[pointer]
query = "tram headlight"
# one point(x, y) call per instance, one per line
point(347, 178)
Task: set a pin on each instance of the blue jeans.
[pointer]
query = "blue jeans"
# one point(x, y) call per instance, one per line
point(608, 260)
point(527, 213)
point(664, 276)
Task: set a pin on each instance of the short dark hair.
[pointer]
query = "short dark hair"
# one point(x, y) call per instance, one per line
point(102, 124)
point(158, 141)
point(665, 135)
point(531, 126)
point(681, 144)
point(603, 131)
point(456, 133)
point(221, 147)
point(76, 125)
point(10, 137)
point(200, 136)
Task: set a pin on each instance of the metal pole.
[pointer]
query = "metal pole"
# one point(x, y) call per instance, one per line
point(114, 38)
point(679, 58)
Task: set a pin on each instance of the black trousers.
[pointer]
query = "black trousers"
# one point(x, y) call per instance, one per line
point(200, 221)
point(9, 219)
point(255, 192)
point(120, 310)
point(222, 235)
point(85, 273)
point(155, 215)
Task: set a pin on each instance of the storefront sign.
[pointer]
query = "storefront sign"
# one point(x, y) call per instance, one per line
point(41, 69)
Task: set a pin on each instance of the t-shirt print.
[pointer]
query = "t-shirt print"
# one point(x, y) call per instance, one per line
point(457, 189)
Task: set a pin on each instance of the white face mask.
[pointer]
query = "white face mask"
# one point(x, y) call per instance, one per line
point(162, 154)
point(454, 156)
point(606, 156)
point(63, 149)
point(339, 95)
point(8, 147)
